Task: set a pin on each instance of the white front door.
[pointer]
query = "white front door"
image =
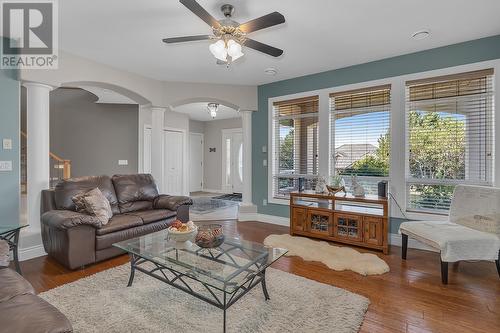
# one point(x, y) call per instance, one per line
point(232, 160)
point(195, 162)
point(174, 162)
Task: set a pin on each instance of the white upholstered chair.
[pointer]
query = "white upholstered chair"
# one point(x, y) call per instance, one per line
point(472, 231)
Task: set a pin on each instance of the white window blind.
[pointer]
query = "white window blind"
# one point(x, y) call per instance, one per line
point(360, 136)
point(449, 137)
point(295, 145)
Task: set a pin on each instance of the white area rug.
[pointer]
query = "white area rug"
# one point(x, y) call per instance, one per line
point(339, 258)
point(102, 303)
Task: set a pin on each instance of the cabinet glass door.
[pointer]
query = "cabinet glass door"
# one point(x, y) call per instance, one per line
point(319, 222)
point(348, 227)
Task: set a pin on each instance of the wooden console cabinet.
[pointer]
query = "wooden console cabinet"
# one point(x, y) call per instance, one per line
point(341, 218)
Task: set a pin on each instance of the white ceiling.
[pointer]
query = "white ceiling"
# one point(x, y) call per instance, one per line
point(198, 111)
point(317, 36)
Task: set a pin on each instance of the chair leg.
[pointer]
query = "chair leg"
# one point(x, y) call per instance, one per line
point(497, 262)
point(444, 272)
point(404, 246)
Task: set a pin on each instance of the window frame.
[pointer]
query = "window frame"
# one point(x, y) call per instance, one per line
point(397, 173)
point(332, 119)
point(409, 180)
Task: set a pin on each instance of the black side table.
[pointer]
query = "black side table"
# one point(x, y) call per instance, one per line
point(10, 234)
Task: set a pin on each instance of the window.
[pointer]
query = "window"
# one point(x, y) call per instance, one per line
point(449, 137)
point(360, 120)
point(295, 145)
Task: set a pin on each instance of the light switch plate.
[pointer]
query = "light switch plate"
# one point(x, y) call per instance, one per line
point(5, 165)
point(264, 163)
point(122, 162)
point(264, 149)
point(7, 144)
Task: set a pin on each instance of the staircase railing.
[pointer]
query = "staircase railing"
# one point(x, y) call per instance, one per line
point(59, 168)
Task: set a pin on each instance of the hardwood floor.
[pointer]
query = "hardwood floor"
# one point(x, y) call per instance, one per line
point(410, 298)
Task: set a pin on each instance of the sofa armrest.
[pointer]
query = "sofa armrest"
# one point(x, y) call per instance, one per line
point(4, 254)
point(65, 219)
point(171, 202)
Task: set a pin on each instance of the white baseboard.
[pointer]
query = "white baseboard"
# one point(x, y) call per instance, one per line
point(31, 252)
point(394, 239)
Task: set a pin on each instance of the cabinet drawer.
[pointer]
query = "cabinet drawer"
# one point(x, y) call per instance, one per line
point(373, 233)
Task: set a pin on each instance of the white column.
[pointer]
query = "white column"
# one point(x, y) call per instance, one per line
point(157, 149)
point(38, 147)
point(247, 205)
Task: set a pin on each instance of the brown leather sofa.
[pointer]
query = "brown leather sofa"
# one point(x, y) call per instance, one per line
point(75, 239)
point(22, 311)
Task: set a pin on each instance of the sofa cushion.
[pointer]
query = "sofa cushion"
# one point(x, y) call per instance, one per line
point(12, 284)
point(153, 215)
point(94, 203)
point(106, 241)
point(119, 222)
point(137, 188)
point(30, 313)
point(67, 189)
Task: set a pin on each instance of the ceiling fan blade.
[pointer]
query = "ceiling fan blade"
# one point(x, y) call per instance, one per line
point(262, 22)
point(185, 39)
point(268, 49)
point(199, 11)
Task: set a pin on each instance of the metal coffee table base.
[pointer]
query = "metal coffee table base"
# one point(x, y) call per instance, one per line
point(186, 283)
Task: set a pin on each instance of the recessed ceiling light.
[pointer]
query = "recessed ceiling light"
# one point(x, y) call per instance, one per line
point(421, 34)
point(271, 71)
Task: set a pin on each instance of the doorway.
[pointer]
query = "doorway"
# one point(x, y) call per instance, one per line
point(174, 148)
point(232, 160)
point(195, 162)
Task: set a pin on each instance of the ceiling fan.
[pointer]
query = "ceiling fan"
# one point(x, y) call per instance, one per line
point(229, 35)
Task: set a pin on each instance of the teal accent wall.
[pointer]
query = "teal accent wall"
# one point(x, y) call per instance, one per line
point(448, 56)
point(9, 128)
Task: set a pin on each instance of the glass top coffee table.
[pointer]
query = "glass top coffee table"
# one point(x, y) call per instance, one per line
point(219, 276)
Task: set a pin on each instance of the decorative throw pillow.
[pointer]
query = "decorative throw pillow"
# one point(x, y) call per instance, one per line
point(79, 201)
point(94, 203)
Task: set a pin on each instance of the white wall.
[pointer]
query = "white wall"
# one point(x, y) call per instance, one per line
point(213, 161)
point(196, 126)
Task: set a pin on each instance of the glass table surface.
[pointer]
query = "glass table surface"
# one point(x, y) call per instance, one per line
point(226, 267)
point(7, 228)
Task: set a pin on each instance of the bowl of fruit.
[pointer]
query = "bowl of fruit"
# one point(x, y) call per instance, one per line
point(182, 232)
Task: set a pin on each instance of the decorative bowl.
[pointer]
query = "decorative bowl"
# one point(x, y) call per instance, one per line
point(180, 237)
point(210, 236)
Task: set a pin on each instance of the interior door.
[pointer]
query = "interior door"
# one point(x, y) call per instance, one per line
point(237, 162)
point(174, 162)
point(195, 162)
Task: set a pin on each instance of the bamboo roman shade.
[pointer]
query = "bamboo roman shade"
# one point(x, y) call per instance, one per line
point(295, 144)
point(449, 137)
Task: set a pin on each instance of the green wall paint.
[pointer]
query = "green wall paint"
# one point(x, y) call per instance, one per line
point(9, 128)
point(448, 56)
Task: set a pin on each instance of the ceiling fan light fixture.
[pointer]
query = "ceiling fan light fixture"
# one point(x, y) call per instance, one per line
point(218, 49)
point(234, 49)
point(212, 109)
